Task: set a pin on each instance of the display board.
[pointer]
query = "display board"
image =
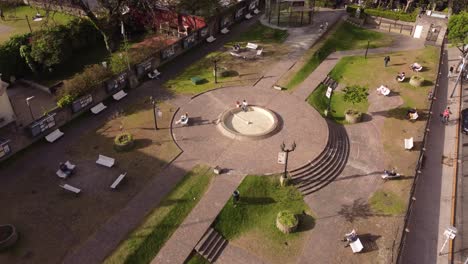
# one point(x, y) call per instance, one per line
point(4, 148)
point(167, 53)
point(145, 67)
point(117, 83)
point(189, 41)
point(42, 124)
point(82, 103)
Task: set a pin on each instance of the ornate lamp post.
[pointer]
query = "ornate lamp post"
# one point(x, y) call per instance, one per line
point(215, 69)
point(286, 150)
point(155, 108)
point(28, 102)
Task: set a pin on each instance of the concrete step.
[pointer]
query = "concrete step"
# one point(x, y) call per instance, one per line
point(201, 245)
point(211, 245)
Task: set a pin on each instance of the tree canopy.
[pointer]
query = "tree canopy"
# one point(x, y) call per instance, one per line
point(458, 31)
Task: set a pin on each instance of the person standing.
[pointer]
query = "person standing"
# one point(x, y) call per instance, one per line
point(446, 115)
point(386, 60)
point(235, 197)
point(245, 105)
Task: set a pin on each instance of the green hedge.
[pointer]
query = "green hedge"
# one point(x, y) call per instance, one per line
point(11, 62)
point(408, 17)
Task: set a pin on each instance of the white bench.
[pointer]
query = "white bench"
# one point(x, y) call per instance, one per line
point(409, 144)
point(119, 95)
point(118, 180)
point(248, 16)
point(256, 11)
point(98, 108)
point(210, 39)
point(56, 134)
point(413, 116)
point(251, 46)
point(225, 30)
point(70, 188)
point(259, 52)
point(154, 74)
point(105, 161)
point(356, 246)
point(62, 174)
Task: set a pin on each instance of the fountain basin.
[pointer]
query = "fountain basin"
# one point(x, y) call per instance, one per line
point(254, 124)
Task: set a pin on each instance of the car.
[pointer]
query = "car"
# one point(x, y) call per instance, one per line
point(464, 126)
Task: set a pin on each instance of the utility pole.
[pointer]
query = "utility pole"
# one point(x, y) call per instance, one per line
point(155, 108)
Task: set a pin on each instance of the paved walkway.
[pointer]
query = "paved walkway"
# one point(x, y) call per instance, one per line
point(433, 207)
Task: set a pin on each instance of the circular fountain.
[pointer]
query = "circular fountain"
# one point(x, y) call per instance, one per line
point(256, 123)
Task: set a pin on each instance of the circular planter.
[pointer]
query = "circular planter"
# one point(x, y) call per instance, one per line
point(287, 222)
point(123, 142)
point(8, 236)
point(353, 116)
point(416, 81)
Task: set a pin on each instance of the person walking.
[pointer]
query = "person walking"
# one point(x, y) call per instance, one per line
point(446, 115)
point(386, 60)
point(235, 197)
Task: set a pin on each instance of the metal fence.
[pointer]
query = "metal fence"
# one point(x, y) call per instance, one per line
point(420, 163)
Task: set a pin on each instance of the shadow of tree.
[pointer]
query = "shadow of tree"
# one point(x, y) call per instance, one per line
point(359, 209)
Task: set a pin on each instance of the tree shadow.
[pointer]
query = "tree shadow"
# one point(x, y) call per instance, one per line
point(366, 118)
point(142, 143)
point(427, 83)
point(359, 209)
point(170, 202)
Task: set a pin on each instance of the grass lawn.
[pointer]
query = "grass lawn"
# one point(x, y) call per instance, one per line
point(245, 72)
point(319, 101)
point(15, 21)
point(388, 203)
point(253, 219)
point(143, 244)
point(343, 36)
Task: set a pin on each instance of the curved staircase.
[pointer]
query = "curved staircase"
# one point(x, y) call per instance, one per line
point(327, 166)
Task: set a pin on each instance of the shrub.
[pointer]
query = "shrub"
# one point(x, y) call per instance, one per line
point(416, 81)
point(123, 142)
point(83, 83)
point(286, 221)
point(50, 47)
point(11, 62)
point(355, 94)
point(118, 62)
point(352, 9)
point(66, 100)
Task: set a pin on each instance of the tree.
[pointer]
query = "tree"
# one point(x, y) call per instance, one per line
point(355, 94)
point(50, 47)
point(458, 31)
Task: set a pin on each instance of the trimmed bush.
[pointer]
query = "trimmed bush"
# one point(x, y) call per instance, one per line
point(408, 17)
point(353, 116)
point(123, 142)
point(286, 221)
point(416, 81)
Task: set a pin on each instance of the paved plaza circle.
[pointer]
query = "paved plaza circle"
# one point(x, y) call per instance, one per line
point(296, 122)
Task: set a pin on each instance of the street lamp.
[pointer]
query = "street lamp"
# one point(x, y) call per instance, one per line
point(215, 62)
point(125, 10)
point(285, 150)
point(29, 106)
point(155, 108)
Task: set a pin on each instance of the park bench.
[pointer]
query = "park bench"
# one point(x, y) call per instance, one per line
point(154, 74)
point(105, 161)
point(118, 180)
point(70, 188)
point(62, 174)
point(356, 246)
point(56, 134)
point(225, 30)
point(210, 39)
point(256, 11)
point(196, 80)
point(251, 46)
point(248, 16)
point(259, 52)
point(98, 108)
point(119, 95)
point(409, 144)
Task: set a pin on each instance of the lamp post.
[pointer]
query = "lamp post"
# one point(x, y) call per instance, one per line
point(125, 43)
point(367, 49)
point(155, 108)
point(286, 150)
point(28, 102)
point(215, 69)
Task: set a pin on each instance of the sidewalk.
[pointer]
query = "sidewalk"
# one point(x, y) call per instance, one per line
point(434, 190)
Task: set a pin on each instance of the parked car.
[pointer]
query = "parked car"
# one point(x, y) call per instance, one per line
point(464, 117)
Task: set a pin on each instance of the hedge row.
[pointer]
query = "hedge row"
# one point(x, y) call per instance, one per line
point(408, 17)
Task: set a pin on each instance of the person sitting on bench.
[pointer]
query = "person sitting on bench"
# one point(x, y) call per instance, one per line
point(412, 114)
point(416, 67)
point(401, 77)
point(350, 237)
point(236, 48)
point(64, 168)
point(183, 119)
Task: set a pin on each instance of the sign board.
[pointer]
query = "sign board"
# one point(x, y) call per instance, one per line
point(144, 67)
point(329, 92)
point(4, 148)
point(42, 124)
point(81, 103)
point(167, 53)
point(189, 41)
point(118, 83)
point(281, 157)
